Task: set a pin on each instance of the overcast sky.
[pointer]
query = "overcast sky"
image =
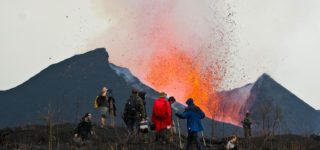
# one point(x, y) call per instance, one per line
point(280, 38)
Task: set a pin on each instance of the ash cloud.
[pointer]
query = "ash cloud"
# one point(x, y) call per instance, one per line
point(140, 29)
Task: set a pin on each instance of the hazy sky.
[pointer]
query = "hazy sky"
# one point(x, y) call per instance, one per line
point(277, 37)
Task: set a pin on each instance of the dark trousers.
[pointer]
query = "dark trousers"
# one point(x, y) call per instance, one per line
point(161, 136)
point(247, 132)
point(193, 136)
point(84, 134)
point(133, 127)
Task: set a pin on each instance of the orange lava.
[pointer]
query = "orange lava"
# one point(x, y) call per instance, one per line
point(175, 73)
point(178, 73)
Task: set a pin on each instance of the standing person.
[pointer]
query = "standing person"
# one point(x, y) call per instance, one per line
point(193, 114)
point(143, 96)
point(133, 114)
point(172, 130)
point(112, 108)
point(84, 128)
point(144, 125)
point(161, 117)
point(102, 103)
point(246, 123)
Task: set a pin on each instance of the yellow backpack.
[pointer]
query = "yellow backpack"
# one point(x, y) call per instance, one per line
point(95, 105)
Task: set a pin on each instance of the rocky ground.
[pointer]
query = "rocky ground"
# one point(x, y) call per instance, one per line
point(37, 138)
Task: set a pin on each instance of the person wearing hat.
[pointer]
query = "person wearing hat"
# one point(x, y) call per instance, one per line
point(193, 114)
point(101, 103)
point(161, 117)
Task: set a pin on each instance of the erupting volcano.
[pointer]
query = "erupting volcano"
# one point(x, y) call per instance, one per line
point(180, 74)
point(175, 47)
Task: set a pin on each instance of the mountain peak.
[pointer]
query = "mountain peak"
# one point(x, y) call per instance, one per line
point(101, 52)
point(264, 78)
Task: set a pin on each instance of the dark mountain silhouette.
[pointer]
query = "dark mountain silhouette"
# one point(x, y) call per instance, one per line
point(297, 116)
point(69, 89)
point(233, 101)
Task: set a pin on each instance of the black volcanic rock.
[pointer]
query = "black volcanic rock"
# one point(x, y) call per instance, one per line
point(298, 117)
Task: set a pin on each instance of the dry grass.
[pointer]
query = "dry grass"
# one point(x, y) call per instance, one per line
point(34, 137)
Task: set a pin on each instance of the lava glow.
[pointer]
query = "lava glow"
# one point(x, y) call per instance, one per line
point(179, 47)
point(178, 73)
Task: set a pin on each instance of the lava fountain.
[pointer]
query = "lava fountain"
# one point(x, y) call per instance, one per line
point(179, 73)
point(180, 47)
point(185, 75)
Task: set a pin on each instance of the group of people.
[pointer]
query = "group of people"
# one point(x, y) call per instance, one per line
point(139, 125)
point(135, 115)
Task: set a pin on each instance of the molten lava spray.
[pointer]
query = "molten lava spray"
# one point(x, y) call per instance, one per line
point(181, 74)
point(176, 72)
point(180, 47)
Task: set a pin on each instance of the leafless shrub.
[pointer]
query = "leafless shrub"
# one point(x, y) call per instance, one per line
point(50, 116)
point(268, 118)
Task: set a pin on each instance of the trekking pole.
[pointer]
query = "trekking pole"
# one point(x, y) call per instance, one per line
point(179, 133)
point(204, 141)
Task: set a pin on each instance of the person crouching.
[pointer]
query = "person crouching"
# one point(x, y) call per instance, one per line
point(84, 128)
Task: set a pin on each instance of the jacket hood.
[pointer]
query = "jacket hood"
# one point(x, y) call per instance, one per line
point(189, 102)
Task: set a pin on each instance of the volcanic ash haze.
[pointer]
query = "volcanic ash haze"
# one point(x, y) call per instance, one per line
point(180, 47)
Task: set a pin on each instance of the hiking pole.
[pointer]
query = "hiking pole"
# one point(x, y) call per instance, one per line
point(179, 133)
point(204, 141)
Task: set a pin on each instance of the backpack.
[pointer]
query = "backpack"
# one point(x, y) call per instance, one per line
point(160, 111)
point(96, 103)
point(131, 107)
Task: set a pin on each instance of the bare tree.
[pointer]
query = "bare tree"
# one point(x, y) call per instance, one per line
point(269, 117)
point(277, 118)
point(49, 116)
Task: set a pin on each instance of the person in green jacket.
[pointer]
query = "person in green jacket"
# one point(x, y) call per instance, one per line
point(246, 123)
point(134, 112)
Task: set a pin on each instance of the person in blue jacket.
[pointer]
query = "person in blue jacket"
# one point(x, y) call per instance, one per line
point(193, 114)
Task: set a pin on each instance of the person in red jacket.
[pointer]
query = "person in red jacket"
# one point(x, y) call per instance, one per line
point(161, 117)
